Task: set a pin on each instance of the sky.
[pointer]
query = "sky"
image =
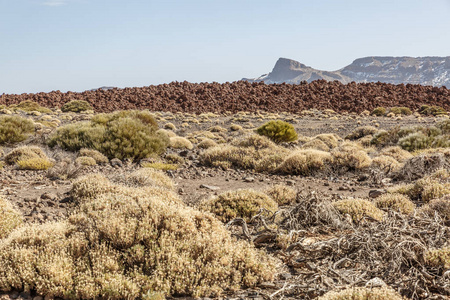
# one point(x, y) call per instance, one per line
point(76, 45)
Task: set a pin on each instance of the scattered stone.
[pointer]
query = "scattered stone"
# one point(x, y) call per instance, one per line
point(249, 179)
point(343, 188)
point(180, 191)
point(116, 163)
point(49, 196)
point(363, 177)
point(375, 282)
point(326, 184)
point(285, 276)
point(268, 285)
point(376, 193)
point(290, 182)
point(210, 187)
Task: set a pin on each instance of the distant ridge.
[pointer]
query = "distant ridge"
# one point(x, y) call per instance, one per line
point(434, 71)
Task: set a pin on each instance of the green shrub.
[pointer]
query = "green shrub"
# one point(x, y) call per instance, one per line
point(29, 106)
point(239, 204)
point(361, 293)
point(14, 129)
point(278, 131)
point(405, 111)
point(358, 208)
point(24, 153)
point(76, 106)
point(396, 202)
point(428, 110)
point(10, 218)
point(444, 126)
point(415, 141)
point(124, 134)
point(379, 111)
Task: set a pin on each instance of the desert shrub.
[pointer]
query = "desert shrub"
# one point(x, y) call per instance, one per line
point(438, 257)
point(405, 111)
point(379, 111)
point(316, 144)
point(76, 106)
point(397, 202)
point(415, 141)
point(239, 204)
point(160, 166)
point(330, 139)
point(170, 126)
point(149, 177)
point(358, 209)
point(174, 158)
point(14, 129)
point(30, 106)
point(428, 110)
point(360, 132)
point(168, 133)
point(304, 162)
point(397, 153)
point(24, 153)
point(278, 131)
point(98, 157)
point(444, 126)
point(249, 152)
point(179, 142)
point(123, 243)
point(386, 163)
point(428, 188)
point(206, 143)
point(440, 206)
point(441, 141)
point(85, 161)
point(351, 157)
point(124, 134)
point(10, 218)
point(217, 128)
point(282, 194)
point(361, 293)
point(235, 127)
point(35, 164)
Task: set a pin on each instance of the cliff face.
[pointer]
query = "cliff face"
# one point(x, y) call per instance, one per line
point(433, 71)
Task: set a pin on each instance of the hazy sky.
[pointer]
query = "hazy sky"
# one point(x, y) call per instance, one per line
point(76, 45)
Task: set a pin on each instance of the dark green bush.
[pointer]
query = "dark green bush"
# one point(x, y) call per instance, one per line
point(278, 131)
point(379, 111)
point(124, 134)
point(428, 110)
point(76, 106)
point(14, 129)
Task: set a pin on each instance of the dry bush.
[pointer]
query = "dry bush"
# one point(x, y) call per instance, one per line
point(206, 143)
point(85, 161)
point(330, 139)
point(179, 142)
point(170, 126)
point(149, 177)
point(440, 206)
point(397, 202)
point(168, 133)
point(25, 153)
point(386, 163)
point(64, 169)
point(239, 204)
point(304, 162)
point(282, 194)
point(76, 106)
point(159, 166)
point(379, 111)
point(217, 128)
point(14, 129)
point(350, 156)
point(362, 293)
point(428, 110)
point(10, 218)
point(360, 132)
point(316, 144)
point(358, 209)
point(422, 165)
point(98, 157)
point(123, 134)
point(30, 106)
point(396, 152)
point(405, 111)
point(235, 127)
point(35, 164)
point(174, 158)
point(126, 245)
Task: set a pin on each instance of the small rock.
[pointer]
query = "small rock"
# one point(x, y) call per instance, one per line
point(268, 285)
point(363, 177)
point(116, 163)
point(375, 282)
point(376, 193)
point(180, 191)
point(210, 187)
point(249, 179)
point(326, 184)
point(343, 188)
point(184, 153)
point(285, 276)
point(49, 196)
point(290, 182)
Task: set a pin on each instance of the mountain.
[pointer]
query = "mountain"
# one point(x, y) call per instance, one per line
point(433, 71)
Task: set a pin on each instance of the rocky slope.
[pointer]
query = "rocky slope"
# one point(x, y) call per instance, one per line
point(433, 71)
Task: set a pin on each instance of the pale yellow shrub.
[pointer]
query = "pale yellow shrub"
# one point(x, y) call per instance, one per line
point(206, 143)
point(360, 293)
point(316, 144)
point(34, 164)
point(386, 163)
point(282, 194)
point(397, 202)
point(85, 161)
point(98, 157)
point(438, 257)
point(24, 153)
point(351, 156)
point(304, 162)
point(10, 218)
point(396, 152)
point(358, 208)
point(330, 139)
point(179, 142)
